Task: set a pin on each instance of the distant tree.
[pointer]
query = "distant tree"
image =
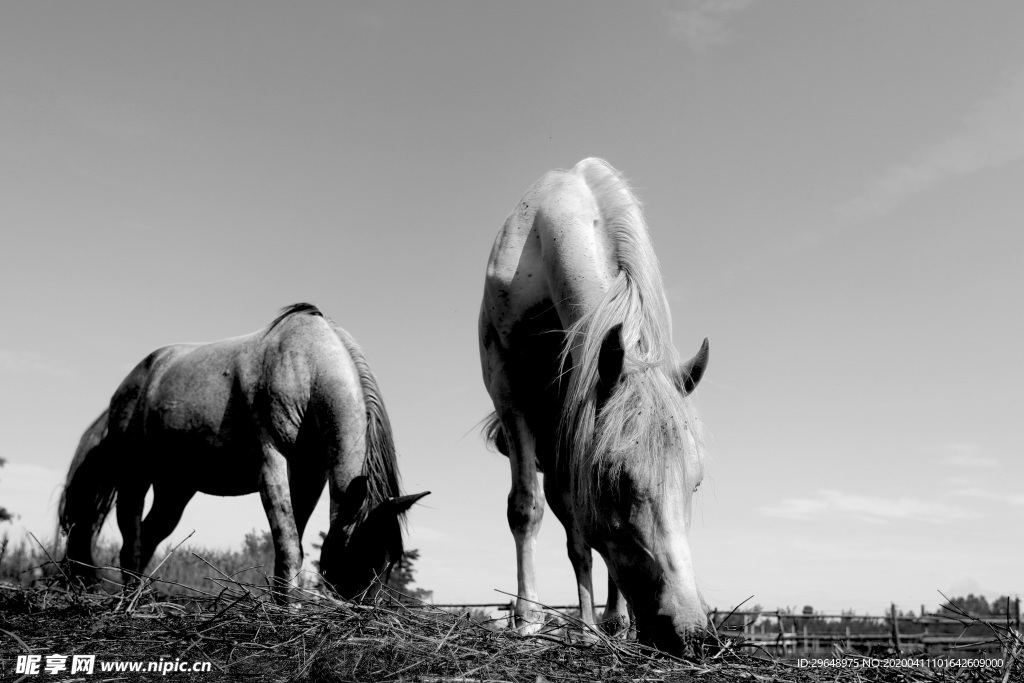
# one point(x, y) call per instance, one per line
point(402, 577)
point(5, 516)
point(979, 606)
point(974, 605)
point(1004, 604)
point(258, 549)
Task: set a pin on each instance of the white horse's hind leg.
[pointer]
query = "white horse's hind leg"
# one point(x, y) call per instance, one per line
point(277, 502)
point(525, 512)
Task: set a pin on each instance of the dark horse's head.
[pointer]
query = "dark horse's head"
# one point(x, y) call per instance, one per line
point(364, 540)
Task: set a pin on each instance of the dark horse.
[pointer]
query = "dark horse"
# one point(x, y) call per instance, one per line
point(281, 411)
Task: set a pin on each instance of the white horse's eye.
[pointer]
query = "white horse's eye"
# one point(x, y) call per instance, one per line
point(696, 487)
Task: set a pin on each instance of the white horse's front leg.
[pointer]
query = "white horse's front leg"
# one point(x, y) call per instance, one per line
point(583, 563)
point(580, 554)
point(275, 493)
point(525, 512)
point(616, 613)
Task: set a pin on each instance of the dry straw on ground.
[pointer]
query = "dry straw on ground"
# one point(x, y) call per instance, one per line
point(247, 637)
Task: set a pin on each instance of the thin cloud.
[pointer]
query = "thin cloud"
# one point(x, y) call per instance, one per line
point(702, 24)
point(1011, 499)
point(872, 509)
point(968, 455)
point(993, 136)
point(27, 362)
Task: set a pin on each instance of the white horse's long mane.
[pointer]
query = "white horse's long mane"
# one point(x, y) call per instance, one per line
point(643, 424)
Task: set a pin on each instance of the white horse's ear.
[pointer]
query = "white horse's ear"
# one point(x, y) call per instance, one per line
point(692, 370)
point(610, 359)
point(402, 504)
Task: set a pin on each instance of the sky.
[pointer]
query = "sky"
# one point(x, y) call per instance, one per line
point(833, 190)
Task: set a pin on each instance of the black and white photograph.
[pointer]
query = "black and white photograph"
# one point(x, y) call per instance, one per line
point(466, 342)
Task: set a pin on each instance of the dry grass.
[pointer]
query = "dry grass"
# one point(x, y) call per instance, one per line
point(321, 639)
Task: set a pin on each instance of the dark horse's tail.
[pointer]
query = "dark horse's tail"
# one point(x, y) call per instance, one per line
point(88, 496)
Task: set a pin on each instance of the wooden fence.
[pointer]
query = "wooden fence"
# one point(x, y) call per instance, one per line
point(786, 634)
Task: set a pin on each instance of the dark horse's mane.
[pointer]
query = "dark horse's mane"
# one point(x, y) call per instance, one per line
point(294, 309)
point(381, 464)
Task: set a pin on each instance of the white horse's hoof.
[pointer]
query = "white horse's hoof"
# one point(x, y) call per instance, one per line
point(615, 625)
point(586, 636)
point(528, 624)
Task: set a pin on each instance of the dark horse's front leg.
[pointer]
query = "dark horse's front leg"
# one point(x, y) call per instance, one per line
point(169, 501)
point(275, 493)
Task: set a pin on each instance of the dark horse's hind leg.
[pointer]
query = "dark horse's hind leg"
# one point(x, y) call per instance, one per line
point(169, 502)
point(131, 496)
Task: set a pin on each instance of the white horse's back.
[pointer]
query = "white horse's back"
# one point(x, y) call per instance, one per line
point(553, 250)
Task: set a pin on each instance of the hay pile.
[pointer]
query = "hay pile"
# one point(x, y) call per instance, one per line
point(321, 639)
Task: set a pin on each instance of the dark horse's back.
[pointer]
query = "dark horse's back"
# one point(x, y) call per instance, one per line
point(206, 409)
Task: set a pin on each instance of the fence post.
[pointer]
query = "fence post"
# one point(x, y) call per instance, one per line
point(782, 634)
point(895, 628)
point(926, 650)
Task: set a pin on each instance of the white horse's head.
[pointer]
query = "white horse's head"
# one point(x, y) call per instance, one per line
point(634, 494)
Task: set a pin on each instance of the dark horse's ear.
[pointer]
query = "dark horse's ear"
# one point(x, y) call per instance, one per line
point(353, 498)
point(402, 504)
point(609, 362)
point(692, 370)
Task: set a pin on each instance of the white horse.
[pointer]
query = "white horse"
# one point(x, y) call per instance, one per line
point(577, 355)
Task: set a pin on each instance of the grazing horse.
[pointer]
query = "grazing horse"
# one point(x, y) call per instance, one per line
point(281, 411)
point(577, 356)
